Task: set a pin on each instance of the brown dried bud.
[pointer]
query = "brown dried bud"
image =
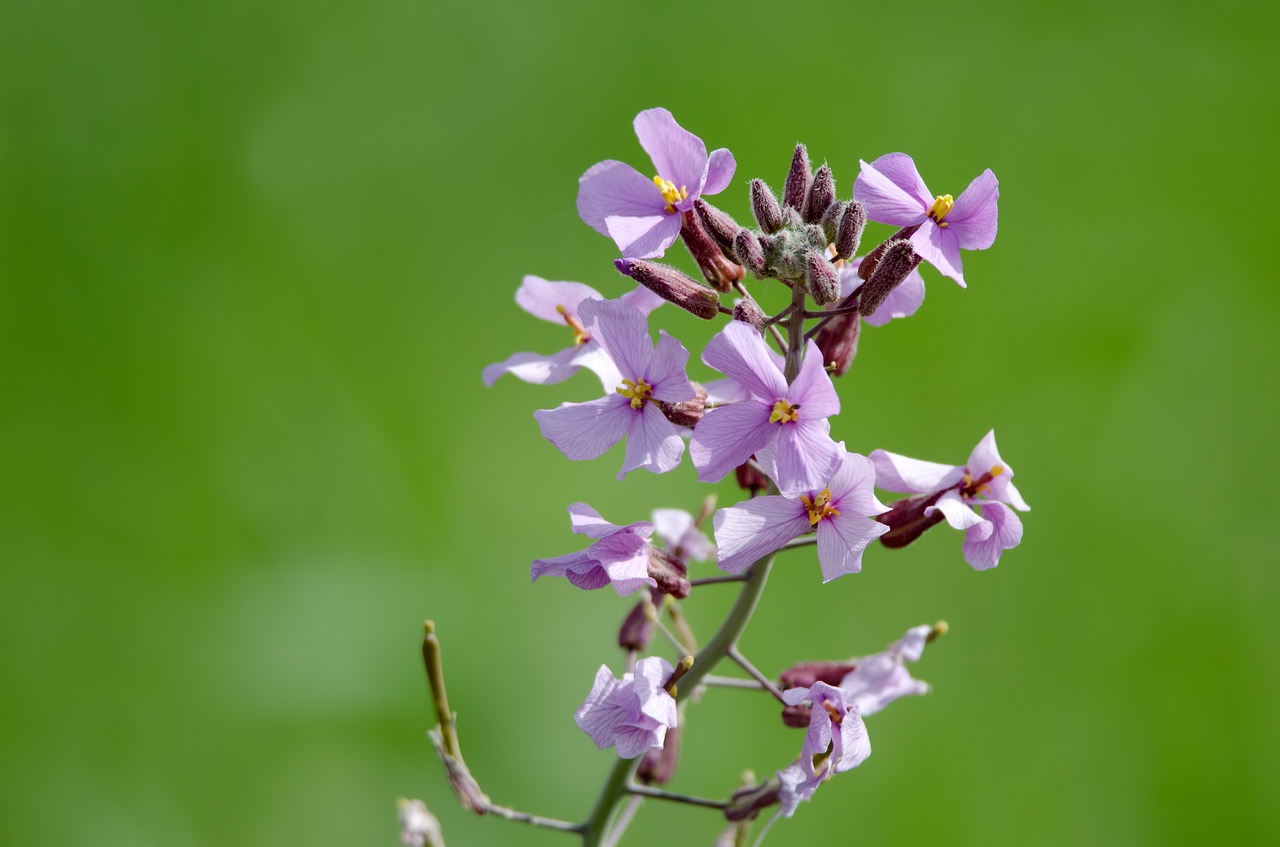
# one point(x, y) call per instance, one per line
point(669, 572)
point(686, 412)
point(838, 341)
point(798, 179)
point(805, 674)
point(637, 627)
point(719, 269)
point(749, 313)
point(907, 521)
point(751, 478)
point(764, 206)
point(659, 765)
point(899, 259)
point(823, 280)
point(849, 233)
point(822, 193)
point(750, 252)
point(672, 285)
point(717, 224)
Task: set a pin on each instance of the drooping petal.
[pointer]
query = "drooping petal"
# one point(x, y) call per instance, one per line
point(625, 557)
point(666, 370)
point(755, 528)
point(983, 553)
point(543, 299)
point(727, 436)
point(616, 189)
point(812, 389)
point(961, 515)
point(536, 368)
point(739, 352)
point(720, 168)
point(622, 332)
point(679, 155)
point(902, 302)
point(589, 579)
point(584, 520)
point(633, 740)
point(806, 456)
point(974, 215)
point(900, 473)
point(842, 540)
point(940, 248)
point(653, 442)
point(586, 430)
point(643, 238)
point(887, 202)
point(855, 746)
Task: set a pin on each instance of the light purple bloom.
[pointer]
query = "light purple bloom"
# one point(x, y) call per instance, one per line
point(618, 557)
point(984, 483)
point(632, 713)
point(684, 540)
point(893, 193)
point(647, 374)
point(558, 302)
point(902, 302)
point(839, 512)
point(643, 214)
point(789, 419)
point(836, 740)
point(879, 679)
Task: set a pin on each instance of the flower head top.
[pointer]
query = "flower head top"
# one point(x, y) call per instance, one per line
point(893, 193)
point(619, 555)
point(643, 214)
point(647, 376)
point(632, 713)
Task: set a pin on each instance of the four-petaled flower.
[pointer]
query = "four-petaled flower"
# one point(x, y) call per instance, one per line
point(839, 512)
point(618, 557)
point(790, 420)
point(836, 740)
point(647, 374)
point(893, 193)
point(985, 483)
point(632, 713)
point(642, 214)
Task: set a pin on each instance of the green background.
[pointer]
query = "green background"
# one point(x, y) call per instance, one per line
point(254, 256)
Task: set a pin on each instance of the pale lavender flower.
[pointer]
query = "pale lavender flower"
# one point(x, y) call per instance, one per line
point(836, 740)
point(893, 193)
point(632, 713)
point(557, 302)
point(791, 419)
point(684, 540)
point(879, 679)
point(839, 513)
point(418, 827)
point(902, 302)
point(619, 555)
point(953, 492)
point(643, 214)
point(647, 374)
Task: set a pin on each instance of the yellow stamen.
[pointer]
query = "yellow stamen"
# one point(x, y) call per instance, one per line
point(670, 193)
point(637, 392)
point(996, 470)
point(784, 412)
point(941, 206)
point(580, 334)
point(819, 507)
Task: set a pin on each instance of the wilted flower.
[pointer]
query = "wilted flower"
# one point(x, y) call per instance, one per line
point(632, 713)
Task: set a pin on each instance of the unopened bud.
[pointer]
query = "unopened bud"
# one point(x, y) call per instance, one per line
point(822, 278)
point(672, 285)
point(796, 717)
point(721, 271)
point(750, 252)
point(899, 259)
point(718, 225)
point(822, 193)
point(907, 520)
point(830, 222)
point(764, 206)
point(637, 628)
point(838, 342)
point(746, 803)
point(669, 572)
point(805, 674)
point(686, 412)
point(659, 765)
point(798, 179)
point(849, 233)
point(749, 313)
point(868, 264)
point(751, 478)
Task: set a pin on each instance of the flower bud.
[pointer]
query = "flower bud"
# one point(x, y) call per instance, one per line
point(849, 233)
point(672, 285)
point(750, 252)
point(899, 259)
point(669, 572)
point(798, 179)
point(764, 206)
point(718, 268)
point(746, 803)
point(805, 674)
point(796, 717)
point(749, 313)
point(822, 279)
point(838, 341)
point(659, 765)
point(822, 193)
point(686, 412)
point(718, 225)
point(907, 520)
point(869, 262)
point(751, 478)
point(830, 222)
point(637, 629)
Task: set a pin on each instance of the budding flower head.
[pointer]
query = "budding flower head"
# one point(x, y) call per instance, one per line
point(823, 280)
point(750, 252)
point(764, 206)
point(672, 285)
point(798, 179)
point(899, 259)
point(822, 193)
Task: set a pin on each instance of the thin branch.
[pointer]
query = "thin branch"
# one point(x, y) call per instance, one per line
point(534, 820)
point(746, 295)
point(764, 681)
point(831, 313)
point(717, 580)
point(731, 682)
point(659, 794)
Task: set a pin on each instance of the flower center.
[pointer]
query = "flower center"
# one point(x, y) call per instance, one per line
point(670, 193)
point(820, 507)
point(784, 412)
point(636, 391)
point(981, 485)
point(580, 334)
point(941, 206)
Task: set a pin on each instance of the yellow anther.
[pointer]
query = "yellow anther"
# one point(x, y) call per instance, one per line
point(819, 507)
point(941, 206)
point(580, 334)
point(784, 412)
point(996, 470)
point(670, 193)
point(637, 391)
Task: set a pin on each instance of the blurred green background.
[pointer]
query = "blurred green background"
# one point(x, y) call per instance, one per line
point(254, 256)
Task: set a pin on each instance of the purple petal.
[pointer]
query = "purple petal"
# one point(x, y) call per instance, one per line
point(806, 455)
point(589, 579)
point(593, 357)
point(643, 238)
point(650, 675)
point(613, 188)
point(984, 553)
point(679, 155)
point(855, 746)
point(755, 528)
point(985, 458)
point(634, 740)
point(900, 169)
point(886, 201)
point(738, 351)
point(653, 442)
point(940, 248)
point(899, 473)
point(584, 520)
point(536, 368)
point(600, 713)
point(812, 389)
point(586, 430)
point(727, 436)
point(841, 541)
point(853, 486)
point(625, 557)
point(723, 391)
point(720, 168)
point(902, 302)
point(541, 298)
point(622, 332)
point(563, 565)
point(961, 515)
point(974, 215)
point(670, 525)
point(642, 299)
point(666, 371)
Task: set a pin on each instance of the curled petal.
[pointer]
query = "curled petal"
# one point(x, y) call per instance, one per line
point(900, 473)
point(983, 553)
point(961, 515)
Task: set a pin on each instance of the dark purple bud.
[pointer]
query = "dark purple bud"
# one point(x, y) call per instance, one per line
point(746, 803)
point(751, 478)
point(822, 278)
point(798, 179)
point(907, 521)
point(686, 412)
point(838, 341)
point(658, 766)
point(764, 206)
point(830, 222)
point(669, 572)
point(899, 259)
point(868, 264)
point(750, 252)
point(822, 193)
point(718, 225)
point(805, 674)
point(721, 271)
point(749, 313)
point(849, 233)
point(672, 285)
point(637, 629)
point(796, 717)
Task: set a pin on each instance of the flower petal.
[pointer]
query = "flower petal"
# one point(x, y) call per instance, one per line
point(899, 473)
point(855, 746)
point(940, 248)
point(586, 430)
point(653, 442)
point(961, 515)
point(581, 561)
point(812, 389)
point(666, 370)
point(593, 357)
point(585, 520)
point(536, 368)
point(853, 486)
point(542, 299)
point(806, 456)
point(738, 351)
point(642, 299)
point(984, 459)
point(885, 200)
point(613, 188)
point(679, 155)
point(670, 525)
point(720, 168)
point(841, 541)
point(900, 169)
point(974, 217)
point(984, 553)
point(755, 528)
point(902, 302)
point(643, 238)
point(622, 332)
point(727, 436)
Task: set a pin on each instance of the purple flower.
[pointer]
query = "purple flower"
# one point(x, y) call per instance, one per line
point(558, 302)
point(681, 538)
point(893, 193)
point(839, 513)
point(902, 302)
point(953, 492)
point(789, 419)
point(879, 679)
point(836, 740)
point(618, 557)
point(646, 375)
point(642, 214)
point(632, 713)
